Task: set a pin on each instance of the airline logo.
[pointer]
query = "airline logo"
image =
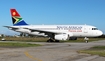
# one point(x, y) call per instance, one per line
point(17, 19)
point(15, 16)
point(14, 13)
point(70, 28)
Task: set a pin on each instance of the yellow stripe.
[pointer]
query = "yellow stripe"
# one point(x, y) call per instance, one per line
point(29, 56)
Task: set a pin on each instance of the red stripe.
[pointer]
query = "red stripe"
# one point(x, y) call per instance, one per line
point(14, 12)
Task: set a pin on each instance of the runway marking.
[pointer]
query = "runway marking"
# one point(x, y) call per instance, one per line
point(30, 56)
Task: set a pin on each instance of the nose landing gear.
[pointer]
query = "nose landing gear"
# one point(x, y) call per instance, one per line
point(86, 39)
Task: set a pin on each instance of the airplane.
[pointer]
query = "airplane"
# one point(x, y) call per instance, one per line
point(54, 32)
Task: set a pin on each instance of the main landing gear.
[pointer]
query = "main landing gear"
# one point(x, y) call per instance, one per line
point(52, 40)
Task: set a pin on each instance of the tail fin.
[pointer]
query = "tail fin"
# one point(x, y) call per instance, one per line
point(16, 18)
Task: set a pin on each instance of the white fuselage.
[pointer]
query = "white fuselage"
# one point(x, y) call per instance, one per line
point(72, 30)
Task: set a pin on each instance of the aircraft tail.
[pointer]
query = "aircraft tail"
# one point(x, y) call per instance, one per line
point(16, 18)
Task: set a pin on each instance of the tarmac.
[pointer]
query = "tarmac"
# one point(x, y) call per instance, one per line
point(51, 52)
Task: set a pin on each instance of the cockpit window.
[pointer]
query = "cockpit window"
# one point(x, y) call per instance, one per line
point(94, 28)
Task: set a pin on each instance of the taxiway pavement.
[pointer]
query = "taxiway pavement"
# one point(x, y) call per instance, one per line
point(51, 52)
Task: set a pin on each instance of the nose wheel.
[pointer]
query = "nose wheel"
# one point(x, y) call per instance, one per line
point(86, 39)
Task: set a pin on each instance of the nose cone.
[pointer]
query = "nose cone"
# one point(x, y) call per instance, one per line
point(100, 33)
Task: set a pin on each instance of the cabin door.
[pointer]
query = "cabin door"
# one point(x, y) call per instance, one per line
point(85, 30)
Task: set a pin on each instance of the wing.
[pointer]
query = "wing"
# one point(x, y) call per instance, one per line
point(44, 31)
point(33, 30)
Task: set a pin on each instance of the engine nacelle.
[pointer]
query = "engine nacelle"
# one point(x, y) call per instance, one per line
point(61, 37)
point(23, 30)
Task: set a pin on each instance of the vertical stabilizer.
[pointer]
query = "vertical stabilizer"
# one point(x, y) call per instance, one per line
point(16, 18)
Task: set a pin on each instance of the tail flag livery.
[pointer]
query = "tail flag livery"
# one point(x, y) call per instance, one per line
point(16, 18)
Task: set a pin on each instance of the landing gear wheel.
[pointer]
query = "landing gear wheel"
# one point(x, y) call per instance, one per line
point(50, 40)
point(86, 39)
point(56, 40)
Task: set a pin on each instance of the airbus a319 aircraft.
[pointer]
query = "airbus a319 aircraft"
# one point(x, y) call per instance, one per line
point(54, 32)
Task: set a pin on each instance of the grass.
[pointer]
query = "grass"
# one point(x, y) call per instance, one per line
point(97, 50)
point(27, 39)
point(8, 44)
point(42, 39)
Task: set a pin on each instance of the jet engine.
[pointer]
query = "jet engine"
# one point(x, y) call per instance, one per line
point(61, 37)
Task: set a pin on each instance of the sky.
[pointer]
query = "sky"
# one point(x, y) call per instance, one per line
point(51, 12)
